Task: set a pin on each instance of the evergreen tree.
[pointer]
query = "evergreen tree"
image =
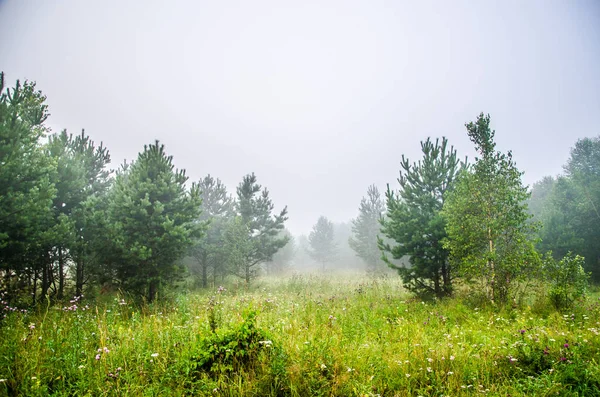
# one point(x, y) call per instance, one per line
point(366, 227)
point(321, 239)
point(81, 174)
point(282, 260)
point(26, 188)
point(152, 222)
point(217, 207)
point(583, 169)
point(568, 207)
point(255, 209)
point(487, 219)
point(414, 219)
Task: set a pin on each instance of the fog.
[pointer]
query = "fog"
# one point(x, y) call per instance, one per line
point(320, 101)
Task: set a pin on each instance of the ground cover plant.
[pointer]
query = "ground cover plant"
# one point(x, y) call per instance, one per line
point(299, 336)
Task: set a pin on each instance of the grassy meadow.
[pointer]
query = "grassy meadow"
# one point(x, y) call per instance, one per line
point(302, 336)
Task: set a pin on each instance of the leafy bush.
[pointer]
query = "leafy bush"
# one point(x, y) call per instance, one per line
point(567, 278)
point(233, 349)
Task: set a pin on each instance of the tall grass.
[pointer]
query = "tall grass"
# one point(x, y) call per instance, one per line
point(338, 335)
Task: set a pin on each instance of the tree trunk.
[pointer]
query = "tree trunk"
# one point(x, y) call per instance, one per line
point(79, 278)
point(247, 274)
point(34, 289)
point(45, 280)
point(446, 279)
point(204, 271)
point(61, 274)
point(491, 265)
point(152, 290)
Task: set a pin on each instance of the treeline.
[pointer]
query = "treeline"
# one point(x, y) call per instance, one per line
point(67, 222)
point(475, 224)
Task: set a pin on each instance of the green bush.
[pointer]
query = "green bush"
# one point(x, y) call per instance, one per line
point(568, 280)
point(233, 349)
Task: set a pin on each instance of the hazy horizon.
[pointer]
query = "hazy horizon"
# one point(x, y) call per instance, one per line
point(319, 101)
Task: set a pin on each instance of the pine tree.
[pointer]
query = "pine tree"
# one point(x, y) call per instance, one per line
point(255, 209)
point(414, 219)
point(26, 188)
point(366, 228)
point(81, 175)
point(583, 169)
point(489, 236)
point(321, 240)
point(282, 260)
point(152, 220)
point(217, 208)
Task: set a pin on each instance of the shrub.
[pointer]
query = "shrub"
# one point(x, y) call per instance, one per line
point(233, 349)
point(567, 278)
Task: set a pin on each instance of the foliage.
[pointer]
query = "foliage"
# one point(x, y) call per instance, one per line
point(583, 169)
point(568, 280)
point(489, 236)
point(237, 248)
point(321, 241)
point(414, 219)
point(281, 262)
point(233, 349)
point(567, 207)
point(81, 178)
point(151, 220)
point(26, 188)
point(365, 229)
point(255, 211)
point(217, 208)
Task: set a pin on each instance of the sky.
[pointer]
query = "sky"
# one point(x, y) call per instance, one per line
point(320, 99)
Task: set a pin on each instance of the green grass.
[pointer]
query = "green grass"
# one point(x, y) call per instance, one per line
point(342, 336)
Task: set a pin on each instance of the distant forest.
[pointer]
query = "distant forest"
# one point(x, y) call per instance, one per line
point(70, 225)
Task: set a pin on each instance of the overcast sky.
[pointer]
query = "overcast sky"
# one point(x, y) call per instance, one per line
point(319, 98)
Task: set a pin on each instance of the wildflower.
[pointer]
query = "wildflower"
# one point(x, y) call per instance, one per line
point(429, 369)
point(566, 345)
point(408, 375)
point(522, 331)
point(2, 380)
point(267, 343)
point(32, 326)
point(323, 366)
point(81, 366)
point(105, 350)
point(97, 357)
point(350, 369)
point(430, 360)
point(451, 358)
point(154, 354)
point(450, 373)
